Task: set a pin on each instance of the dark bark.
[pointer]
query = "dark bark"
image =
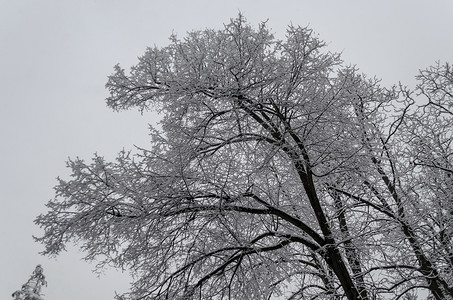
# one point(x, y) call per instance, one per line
point(332, 254)
point(350, 250)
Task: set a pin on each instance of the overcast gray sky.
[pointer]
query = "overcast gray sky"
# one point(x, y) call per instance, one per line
point(55, 56)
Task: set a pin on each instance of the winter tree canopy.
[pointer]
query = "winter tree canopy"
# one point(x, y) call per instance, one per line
point(276, 172)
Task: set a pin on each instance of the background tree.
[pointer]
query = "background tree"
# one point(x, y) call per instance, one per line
point(275, 172)
point(31, 290)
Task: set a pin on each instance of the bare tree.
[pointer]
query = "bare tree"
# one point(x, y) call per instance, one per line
point(276, 172)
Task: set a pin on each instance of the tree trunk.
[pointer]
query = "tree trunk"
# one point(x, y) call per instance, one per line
point(332, 254)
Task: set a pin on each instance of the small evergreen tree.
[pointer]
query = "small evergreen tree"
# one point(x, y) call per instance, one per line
point(31, 290)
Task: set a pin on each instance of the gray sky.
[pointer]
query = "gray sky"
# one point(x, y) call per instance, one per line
point(55, 56)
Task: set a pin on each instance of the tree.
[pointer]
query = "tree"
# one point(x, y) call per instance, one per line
point(31, 290)
point(276, 172)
